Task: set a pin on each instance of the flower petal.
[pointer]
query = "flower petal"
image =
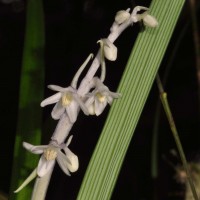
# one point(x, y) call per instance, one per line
point(69, 141)
point(56, 88)
point(90, 101)
point(72, 111)
point(34, 149)
point(99, 107)
point(89, 94)
point(109, 100)
point(115, 95)
point(63, 162)
point(27, 181)
point(52, 99)
point(91, 109)
point(90, 105)
point(81, 104)
point(44, 166)
point(57, 111)
point(74, 163)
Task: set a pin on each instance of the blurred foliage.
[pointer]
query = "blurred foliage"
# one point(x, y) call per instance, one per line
point(31, 93)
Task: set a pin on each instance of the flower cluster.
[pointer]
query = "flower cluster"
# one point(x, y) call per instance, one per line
point(69, 100)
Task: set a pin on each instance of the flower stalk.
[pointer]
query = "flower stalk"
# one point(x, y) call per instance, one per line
point(164, 100)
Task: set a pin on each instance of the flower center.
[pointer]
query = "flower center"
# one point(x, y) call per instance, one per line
point(100, 97)
point(66, 99)
point(50, 154)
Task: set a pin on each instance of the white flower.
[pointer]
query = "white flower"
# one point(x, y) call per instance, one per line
point(65, 100)
point(122, 16)
point(50, 154)
point(110, 50)
point(99, 98)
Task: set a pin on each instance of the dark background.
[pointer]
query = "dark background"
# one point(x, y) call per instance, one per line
point(72, 30)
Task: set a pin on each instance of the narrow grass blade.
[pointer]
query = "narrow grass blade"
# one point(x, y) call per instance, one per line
point(135, 85)
point(31, 93)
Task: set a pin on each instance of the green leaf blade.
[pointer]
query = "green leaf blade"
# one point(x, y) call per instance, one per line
point(135, 85)
point(31, 94)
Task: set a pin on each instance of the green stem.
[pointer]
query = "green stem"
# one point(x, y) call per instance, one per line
point(155, 135)
point(163, 97)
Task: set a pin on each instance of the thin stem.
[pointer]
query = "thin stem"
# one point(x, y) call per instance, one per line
point(159, 84)
point(155, 132)
point(163, 97)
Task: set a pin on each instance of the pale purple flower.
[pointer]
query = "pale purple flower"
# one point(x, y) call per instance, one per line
point(50, 154)
point(99, 98)
point(66, 99)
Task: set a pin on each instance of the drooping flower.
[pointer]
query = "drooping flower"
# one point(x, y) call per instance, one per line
point(51, 153)
point(121, 16)
point(99, 98)
point(65, 100)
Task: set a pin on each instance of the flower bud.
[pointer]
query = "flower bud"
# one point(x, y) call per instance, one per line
point(110, 50)
point(122, 16)
point(150, 21)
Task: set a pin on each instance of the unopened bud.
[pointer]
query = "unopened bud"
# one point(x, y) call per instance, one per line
point(150, 21)
point(110, 50)
point(122, 16)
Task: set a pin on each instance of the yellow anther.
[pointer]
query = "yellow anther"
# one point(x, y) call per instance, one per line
point(50, 154)
point(66, 99)
point(100, 97)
